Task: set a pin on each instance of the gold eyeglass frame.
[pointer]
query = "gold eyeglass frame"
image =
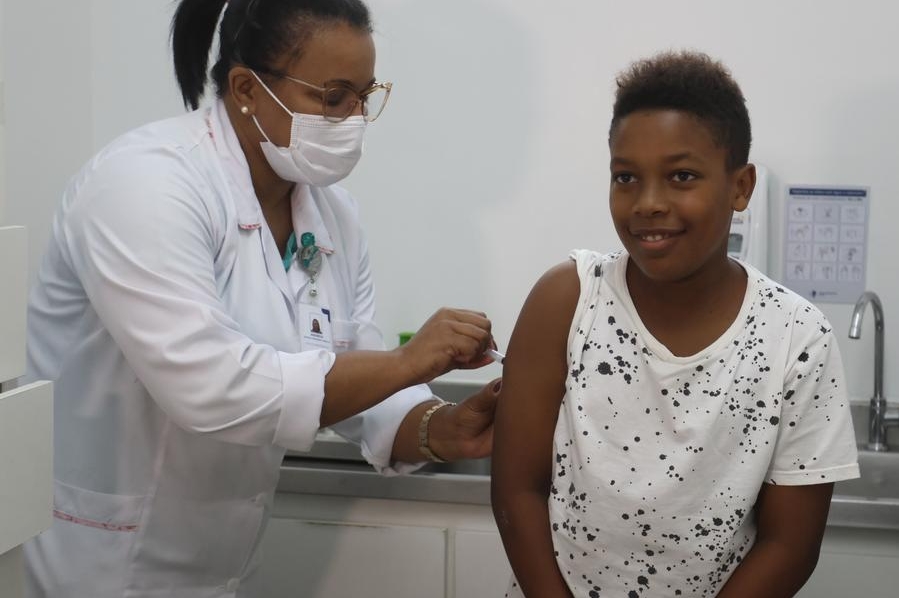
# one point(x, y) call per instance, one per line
point(361, 96)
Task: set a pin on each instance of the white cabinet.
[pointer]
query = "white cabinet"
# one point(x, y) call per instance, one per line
point(480, 566)
point(13, 292)
point(856, 562)
point(26, 424)
point(320, 546)
point(11, 579)
point(317, 559)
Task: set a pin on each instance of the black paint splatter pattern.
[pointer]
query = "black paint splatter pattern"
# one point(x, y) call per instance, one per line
point(659, 458)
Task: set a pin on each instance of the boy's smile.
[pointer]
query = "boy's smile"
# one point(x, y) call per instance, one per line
point(672, 196)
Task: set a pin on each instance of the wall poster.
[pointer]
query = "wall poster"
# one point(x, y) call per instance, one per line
point(825, 242)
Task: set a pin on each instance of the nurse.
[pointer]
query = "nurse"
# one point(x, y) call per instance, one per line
point(176, 310)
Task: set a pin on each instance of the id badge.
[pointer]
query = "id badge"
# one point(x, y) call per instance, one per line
point(315, 328)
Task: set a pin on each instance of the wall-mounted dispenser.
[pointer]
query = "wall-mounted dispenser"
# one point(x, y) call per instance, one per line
point(748, 239)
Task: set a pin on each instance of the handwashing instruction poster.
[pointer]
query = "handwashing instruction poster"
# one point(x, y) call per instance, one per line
point(825, 244)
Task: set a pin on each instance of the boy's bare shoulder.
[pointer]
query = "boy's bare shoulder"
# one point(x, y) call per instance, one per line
point(548, 310)
point(540, 334)
point(559, 285)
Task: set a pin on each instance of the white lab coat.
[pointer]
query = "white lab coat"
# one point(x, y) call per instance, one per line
point(164, 314)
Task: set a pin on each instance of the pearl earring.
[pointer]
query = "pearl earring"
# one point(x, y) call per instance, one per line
point(244, 110)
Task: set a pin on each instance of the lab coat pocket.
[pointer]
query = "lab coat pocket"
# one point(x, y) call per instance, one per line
point(344, 332)
point(110, 512)
point(86, 551)
point(190, 544)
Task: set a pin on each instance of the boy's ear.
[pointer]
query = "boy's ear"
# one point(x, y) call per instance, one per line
point(743, 185)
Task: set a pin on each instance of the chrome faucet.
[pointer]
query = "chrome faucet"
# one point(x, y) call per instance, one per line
point(878, 420)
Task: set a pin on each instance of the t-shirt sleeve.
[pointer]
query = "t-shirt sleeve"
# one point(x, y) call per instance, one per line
point(816, 441)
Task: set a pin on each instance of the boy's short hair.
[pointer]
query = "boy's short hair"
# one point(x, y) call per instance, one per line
point(690, 82)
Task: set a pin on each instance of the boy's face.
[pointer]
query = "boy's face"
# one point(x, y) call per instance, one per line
point(672, 196)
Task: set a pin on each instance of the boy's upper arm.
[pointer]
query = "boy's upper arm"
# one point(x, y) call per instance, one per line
point(534, 374)
point(793, 514)
point(791, 522)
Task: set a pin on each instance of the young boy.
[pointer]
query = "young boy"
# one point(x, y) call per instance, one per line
point(673, 421)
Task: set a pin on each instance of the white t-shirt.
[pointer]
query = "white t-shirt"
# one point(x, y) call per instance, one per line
point(659, 458)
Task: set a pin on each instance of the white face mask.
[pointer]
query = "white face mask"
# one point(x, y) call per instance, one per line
point(320, 152)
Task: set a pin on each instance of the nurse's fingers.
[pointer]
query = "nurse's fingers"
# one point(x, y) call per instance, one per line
point(472, 350)
point(463, 322)
point(476, 318)
point(467, 428)
point(448, 339)
point(480, 321)
point(484, 401)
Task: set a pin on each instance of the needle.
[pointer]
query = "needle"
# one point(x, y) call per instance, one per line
point(496, 355)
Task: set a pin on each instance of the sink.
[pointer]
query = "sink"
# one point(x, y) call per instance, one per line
point(859, 410)
point(334, 466)
point(880, 474)
point(880, 477)
point(880, 471)
point(871, 501)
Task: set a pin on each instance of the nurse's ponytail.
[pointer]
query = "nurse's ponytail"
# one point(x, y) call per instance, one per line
point(255, 33)
point(193, 28)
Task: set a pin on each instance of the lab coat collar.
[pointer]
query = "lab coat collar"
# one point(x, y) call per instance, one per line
point(307, 218)
point(305, 213)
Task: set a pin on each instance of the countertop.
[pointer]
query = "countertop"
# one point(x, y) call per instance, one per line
point(335, 467)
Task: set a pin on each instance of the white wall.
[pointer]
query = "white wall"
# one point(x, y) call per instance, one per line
point(491, 161)
point(74, 80)
point(2, 129)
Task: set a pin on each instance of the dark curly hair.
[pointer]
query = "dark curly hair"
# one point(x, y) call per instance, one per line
point(690, 82)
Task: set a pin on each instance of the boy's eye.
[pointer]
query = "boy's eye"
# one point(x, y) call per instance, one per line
point(623, 178)
point(682, 176)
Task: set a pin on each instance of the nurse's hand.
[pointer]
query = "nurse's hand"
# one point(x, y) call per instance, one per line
point(465, 431)
point(450, 339)
point(358, 380)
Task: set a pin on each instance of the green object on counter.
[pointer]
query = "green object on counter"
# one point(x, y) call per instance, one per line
point(405, 336)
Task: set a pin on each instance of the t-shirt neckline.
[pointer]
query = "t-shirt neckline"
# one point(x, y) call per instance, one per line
point(656, 346)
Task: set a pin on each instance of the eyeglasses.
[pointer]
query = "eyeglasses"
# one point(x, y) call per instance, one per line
point(339, 100)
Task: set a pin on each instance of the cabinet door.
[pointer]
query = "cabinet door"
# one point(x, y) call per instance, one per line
point(13, 292)
point(316, 559)
point(482, 569)
point(11, 567)
point(855, 562)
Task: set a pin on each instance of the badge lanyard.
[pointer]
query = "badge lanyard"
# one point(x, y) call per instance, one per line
point(310, 259)
point(315, 321)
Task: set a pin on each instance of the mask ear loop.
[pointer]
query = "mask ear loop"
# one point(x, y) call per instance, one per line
point(293, 127)
point(274, 97)
point(258, 126)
